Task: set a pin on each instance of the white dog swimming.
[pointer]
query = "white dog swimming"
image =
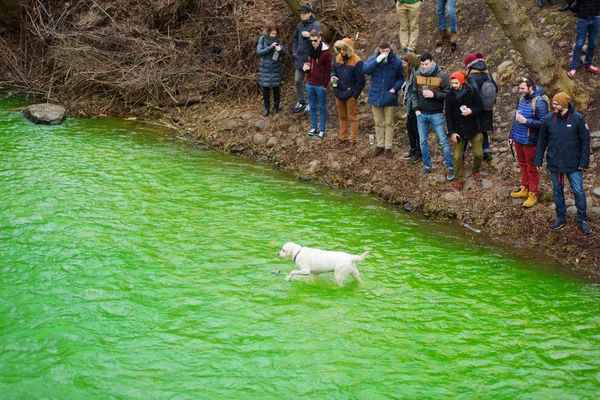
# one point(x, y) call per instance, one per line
point(315, 261)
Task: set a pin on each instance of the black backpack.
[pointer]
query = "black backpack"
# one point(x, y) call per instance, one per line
point(488, 93)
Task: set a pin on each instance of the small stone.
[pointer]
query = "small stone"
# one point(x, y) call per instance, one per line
point(552, 206)
point(261, 124)
point(504, 66)
point(451, 196)
point(276, 271)
point(563, 43)
point(440, 178)
point(259, 139)
point(245, 116)
point(595, 134)
point(335, 165)
point(272, 141)
point(503, 149)
point(293, 129)
point(498, 215)
point(237, 148)
point(596, 145)
point(486, 183)
point(313, 165)
point(572, 210)
point(594, 211)
point(503, 125)
point(548, 34)
point(570, 202)
point(303, 177)
point(596, 192)
point(502, 193)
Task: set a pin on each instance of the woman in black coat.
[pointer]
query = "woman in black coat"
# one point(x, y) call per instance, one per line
point(463, 107)
point(270, 50)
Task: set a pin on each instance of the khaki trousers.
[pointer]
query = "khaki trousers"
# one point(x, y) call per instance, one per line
point(383, 117)
point(408, 14)
point(347, 111)
point(458, 151)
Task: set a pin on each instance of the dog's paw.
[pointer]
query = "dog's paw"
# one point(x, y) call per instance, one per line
point(288, 278)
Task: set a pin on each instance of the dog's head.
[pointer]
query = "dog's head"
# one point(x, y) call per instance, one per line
point(289, 250)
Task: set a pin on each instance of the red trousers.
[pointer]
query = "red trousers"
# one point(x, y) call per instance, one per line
point(530, 176)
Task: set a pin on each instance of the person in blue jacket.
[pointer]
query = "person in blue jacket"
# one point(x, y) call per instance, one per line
point(387, 77)
point(566, 137)
point(532, 108)
point(270, 49)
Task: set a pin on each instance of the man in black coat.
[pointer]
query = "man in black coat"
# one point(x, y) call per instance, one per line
point(301, 49)
point(566, 136)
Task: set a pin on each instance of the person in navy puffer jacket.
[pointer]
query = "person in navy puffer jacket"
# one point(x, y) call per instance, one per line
point(566, 136)
point(524, 134)
point(387, 77)
point(270, 50)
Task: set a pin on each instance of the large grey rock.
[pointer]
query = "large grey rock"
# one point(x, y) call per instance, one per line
point(596, 192)
point(259, 139)
point(261, 124)
point(49, 114)
point(572, 210)
point(594, 211)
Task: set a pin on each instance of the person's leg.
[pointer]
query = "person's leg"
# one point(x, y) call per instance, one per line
point(378, 121)
point(267, 97)
point(576, 182)
point(486, 142)
point(439, 127)
point(322, 93)
point(299, 82)
point(451, 12)
point(522, 165)
point(579, 41)
point(532, 172)
point(558, 181)
point(343, 113)
point(353, 117)
point(457, 152)
point(311, 91)
point(477, 146)
point(593, 31)
point(403, 12)
point(389, 127)
point(276, 98)
point(413, 24)
point(423, 126)
point(413, 131)
point(440, 9)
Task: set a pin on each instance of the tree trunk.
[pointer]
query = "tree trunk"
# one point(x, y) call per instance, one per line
point(535, 51)
point(294, 6)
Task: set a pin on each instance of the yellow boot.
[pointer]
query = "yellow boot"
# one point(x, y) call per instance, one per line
point(531, 200)
point(523, 193)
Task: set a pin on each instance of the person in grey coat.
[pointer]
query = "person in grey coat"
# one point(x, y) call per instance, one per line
point(270, 50)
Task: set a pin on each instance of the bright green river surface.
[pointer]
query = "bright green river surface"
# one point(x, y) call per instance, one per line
point(134, 267)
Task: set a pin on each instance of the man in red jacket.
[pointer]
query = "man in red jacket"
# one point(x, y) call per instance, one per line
point(318, 70)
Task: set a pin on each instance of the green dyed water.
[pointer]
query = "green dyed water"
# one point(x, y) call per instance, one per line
point(132, 267)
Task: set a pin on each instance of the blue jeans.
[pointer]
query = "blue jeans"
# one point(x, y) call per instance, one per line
point(558, 185)
point(589, 28)
point(437, 121)
point(317, 96)
point(446, 6)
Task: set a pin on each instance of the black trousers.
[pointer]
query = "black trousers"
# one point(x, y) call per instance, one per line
point(267, 97)
point(413, 131)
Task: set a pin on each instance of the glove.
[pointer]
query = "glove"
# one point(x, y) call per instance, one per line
point(381, 57)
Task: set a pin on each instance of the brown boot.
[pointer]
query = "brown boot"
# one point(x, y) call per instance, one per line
point(377, 151)
point(441, 37)
point(453, 37)
point(351, 145)
point(388, 153)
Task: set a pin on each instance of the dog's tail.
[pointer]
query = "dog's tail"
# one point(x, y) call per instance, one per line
point(361, 257)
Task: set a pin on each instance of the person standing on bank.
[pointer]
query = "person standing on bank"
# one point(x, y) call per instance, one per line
point(270, 50)
point(318, 72)
point(428, 98)
point(387, 77)
point(443, 8)
point(477, 74)
point(567, 137)
point(532, 108)
point(463, 106)
point(412, 63)
point(588, 24)
point(408, 13)
point(348, 81)
point(301, 48)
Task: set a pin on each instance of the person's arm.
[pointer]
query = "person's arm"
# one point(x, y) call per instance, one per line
point(359, 77)
point(399, 75)
point(370, 65)
point(262, 48)
point(444, 89)
point(297, 39)
point(414, 96)
point(282, 51)
point(541, 144)
point(584, 144)
point(450, 123)
point(478, 104)
point(541, 110)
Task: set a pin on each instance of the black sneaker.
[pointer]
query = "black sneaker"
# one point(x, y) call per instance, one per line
point(584, 227)
point(416, 158)
point(321, 135)
point(312, 132)
point(425, 171)
point(450, 174)
point(297, 107)
point(487, 157)
point(409, 155)
point(558, 223)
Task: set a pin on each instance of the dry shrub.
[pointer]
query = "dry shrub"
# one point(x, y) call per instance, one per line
point(156, 52)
